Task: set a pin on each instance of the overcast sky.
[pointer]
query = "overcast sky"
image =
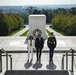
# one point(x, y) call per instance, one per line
point(35, 2)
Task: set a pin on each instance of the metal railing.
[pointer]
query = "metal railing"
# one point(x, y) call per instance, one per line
point(64, 55)
point(72, 59)
point(7, 55)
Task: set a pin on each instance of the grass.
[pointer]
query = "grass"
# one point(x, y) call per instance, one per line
point(25, 33)
point(48, 32)
point(15, 31)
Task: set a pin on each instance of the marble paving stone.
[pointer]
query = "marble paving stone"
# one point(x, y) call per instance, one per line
point(61, 43)
point(1, 41)
point(18, 43)
point(15, 43)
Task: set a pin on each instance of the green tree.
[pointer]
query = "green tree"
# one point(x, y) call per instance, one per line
point(9, 23)
point(20, 20)
point(65, 23)
point(30, 9)
point(73, 10)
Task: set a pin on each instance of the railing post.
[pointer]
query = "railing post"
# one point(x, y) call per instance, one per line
point(66, 61)
point(0, 60)
point(62, 63)
point(6, 61)
point(10, 63)
point(72, 59)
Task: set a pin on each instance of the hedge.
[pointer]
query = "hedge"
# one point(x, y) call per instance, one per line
point(65, 23)
point(9, 23)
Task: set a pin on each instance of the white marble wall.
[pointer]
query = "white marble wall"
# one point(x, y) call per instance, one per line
point(37, 22)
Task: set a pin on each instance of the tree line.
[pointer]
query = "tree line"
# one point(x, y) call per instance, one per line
point(10, 22)
point(33, 10)
point(50, 13)
point(62, 19)
point(65, 23)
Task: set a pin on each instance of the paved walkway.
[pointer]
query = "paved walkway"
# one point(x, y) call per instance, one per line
point(21, 32)
point(20, 43)
point(55, 33)
point(47, 27)
point(20, 62)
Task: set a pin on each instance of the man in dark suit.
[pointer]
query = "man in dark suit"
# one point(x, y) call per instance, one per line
point(51, 43)
point(39, 46)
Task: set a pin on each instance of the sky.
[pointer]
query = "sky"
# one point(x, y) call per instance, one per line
point(35, 2)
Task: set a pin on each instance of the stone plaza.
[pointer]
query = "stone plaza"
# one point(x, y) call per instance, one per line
point(17, 47)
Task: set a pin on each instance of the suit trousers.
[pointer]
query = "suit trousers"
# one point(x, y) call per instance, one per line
point(38, 53)
point(30, 51)
point(51, 52)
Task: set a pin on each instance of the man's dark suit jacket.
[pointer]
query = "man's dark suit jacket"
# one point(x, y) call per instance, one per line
point(39, 43)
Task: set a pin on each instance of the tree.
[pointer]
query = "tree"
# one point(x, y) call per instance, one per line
point(49, 15)
point(36, 11)
point(9, 23)
point(20, 20)
point(73, 11)
point(65, 23)
point(30, 9)
point(25, 17)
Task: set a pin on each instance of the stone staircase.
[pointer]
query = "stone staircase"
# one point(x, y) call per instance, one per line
point(37, 72)
point(21, 67)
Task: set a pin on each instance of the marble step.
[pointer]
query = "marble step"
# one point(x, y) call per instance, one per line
point(37, 72)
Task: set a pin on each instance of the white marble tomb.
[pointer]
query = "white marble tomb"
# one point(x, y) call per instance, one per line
point(37, 22)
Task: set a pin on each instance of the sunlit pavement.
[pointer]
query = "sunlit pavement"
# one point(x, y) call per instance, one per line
point(20, 62)
point(20, 59)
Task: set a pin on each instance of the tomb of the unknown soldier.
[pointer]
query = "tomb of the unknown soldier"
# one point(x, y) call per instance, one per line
point(37, 22)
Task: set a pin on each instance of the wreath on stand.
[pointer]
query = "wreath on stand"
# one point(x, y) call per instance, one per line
point(36, 32)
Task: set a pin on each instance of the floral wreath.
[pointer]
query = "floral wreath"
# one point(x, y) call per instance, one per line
point(38, 30)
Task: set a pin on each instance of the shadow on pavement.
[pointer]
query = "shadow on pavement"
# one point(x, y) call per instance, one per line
point(37, 65)
point(28, 64)
point(51, 65)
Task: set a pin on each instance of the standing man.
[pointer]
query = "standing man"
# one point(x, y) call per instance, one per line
point(51, 43)
point(39, 46)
